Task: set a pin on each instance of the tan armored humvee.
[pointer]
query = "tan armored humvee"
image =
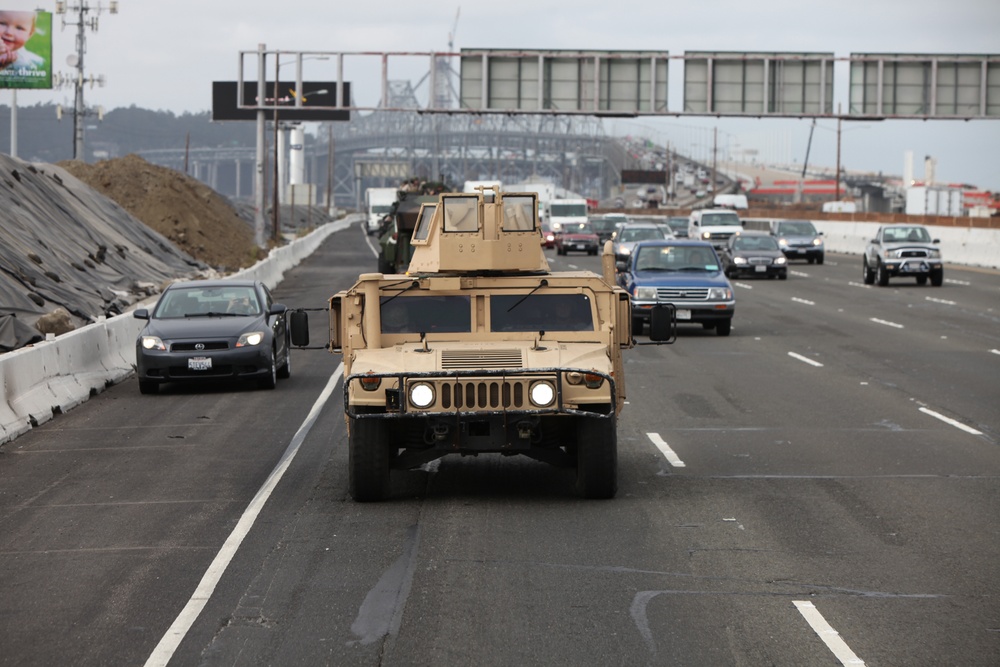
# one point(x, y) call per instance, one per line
point(479, 348)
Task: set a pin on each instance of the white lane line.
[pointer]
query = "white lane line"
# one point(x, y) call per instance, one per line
point(743, 285)
point(944, 301)
point(805, 301)
point(812, 362)
point(665, 450)
point(854, 284)
point(826, 632)
point(957, 282)
point(995, 351)
point(886, 323)
point(164, 651)
point(949, 420)
point(799, 273)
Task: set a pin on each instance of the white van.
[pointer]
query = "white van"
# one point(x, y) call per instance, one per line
point(714, 225)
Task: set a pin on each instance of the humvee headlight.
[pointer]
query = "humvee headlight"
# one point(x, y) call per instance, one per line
point(421, 395)
point(542, 394)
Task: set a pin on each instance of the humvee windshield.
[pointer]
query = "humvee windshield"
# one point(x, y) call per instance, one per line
point(426, 314)
point(541, 312)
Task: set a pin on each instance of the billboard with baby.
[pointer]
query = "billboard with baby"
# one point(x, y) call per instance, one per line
point(25, 49)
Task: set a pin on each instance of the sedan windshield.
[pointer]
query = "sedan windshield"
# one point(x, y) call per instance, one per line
point(208, 301)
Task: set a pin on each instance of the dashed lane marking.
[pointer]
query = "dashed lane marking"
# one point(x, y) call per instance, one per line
point(809, 361)
point(949, 420)
point(830, 637)
point(665, 450)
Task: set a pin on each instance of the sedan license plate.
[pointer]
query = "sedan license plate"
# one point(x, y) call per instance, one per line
point(200, 363)
point(760, 269)
point(683, 314)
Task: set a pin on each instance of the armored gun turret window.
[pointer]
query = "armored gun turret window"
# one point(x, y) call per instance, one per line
point(518, 214)
point(461, 214)
point(424, 224)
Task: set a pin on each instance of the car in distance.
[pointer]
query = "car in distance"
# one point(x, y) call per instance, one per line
point(903, 251)
point(714, 225)
point(684, 273)
point(629, 234)
point(799, 240)
point(754, 254)
point(576, 236)
point(604, 225)
point(678, 225)
point(548, 236)
point(203, 330)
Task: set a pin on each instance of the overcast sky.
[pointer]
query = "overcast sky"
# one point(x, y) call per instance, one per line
point(164, 55)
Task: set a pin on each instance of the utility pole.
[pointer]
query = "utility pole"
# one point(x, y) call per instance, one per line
point(76, 60)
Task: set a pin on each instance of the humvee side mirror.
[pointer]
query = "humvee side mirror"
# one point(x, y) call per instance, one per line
point(298, 321)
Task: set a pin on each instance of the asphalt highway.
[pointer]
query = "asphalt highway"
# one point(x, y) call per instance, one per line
point(821, 487)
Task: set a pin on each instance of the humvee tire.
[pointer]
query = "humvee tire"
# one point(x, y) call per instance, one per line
point(368, 463)
point(597, 457)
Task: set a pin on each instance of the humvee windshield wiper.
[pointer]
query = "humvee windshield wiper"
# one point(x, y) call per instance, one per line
point(542, 284)
point(413, 283)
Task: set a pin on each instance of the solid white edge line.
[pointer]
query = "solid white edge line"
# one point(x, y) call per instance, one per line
point(886, 323)
point(665, 450)
point(164, 651)
point(995, 351)
point(826, 632)
point(794, 355)
point(949, 420)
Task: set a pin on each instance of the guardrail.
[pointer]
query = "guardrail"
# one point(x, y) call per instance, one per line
point(54, 376)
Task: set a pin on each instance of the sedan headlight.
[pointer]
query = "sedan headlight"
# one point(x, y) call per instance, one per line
point(152, 343)
point(817, 242)
point(739, 260)
point(706, 235)
point(250, 339)
point(542, 394)
point(421, 395)
point(783, 243)
point(934, 254)
point(780, 261)
point(645, 293)
point(720, 294)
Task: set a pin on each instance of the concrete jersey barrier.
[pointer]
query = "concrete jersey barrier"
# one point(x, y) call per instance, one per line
point(52, 377)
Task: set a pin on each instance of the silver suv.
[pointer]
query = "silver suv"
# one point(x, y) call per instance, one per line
point(903, 250)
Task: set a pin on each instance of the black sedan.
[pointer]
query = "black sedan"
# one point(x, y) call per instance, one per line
point(753, 253)
point(213, 329)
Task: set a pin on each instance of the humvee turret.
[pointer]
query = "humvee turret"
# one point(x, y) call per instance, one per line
point(480, 348)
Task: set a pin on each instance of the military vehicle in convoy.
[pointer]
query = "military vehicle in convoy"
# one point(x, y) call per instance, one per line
point(398, 225)
point(480, 348)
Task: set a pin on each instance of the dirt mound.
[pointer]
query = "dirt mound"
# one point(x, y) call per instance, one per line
point(190, 214)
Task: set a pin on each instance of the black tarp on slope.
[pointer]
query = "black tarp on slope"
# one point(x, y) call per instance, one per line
point(63, 244)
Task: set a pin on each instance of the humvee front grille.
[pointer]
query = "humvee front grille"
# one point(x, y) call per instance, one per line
point(476, 359)
point(483, 394)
